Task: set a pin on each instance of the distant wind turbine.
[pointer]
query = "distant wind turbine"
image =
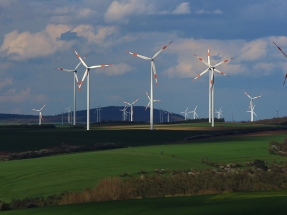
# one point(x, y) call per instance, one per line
point(186, 113)
point(132, 107)
point(40, 113)
point(219, 113)
point(251, 107)
point(194, 113)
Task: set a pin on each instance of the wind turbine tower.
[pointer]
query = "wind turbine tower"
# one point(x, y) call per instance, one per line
point(132, 107)
point(40, 113)
point(152, 73)
point(211, 70)
point(87, 74)
point(251, 107)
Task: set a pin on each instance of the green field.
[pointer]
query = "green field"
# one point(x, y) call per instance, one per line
point(271, 203)
point(56, 174)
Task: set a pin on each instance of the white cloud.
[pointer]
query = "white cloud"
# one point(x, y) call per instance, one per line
point(265, 68)
point(183, 8)
point(95, 36)
point(217, 12)
point(26, 45)
point(118, 11)
point(14, 96)
point(253, 50)
point(115, 69)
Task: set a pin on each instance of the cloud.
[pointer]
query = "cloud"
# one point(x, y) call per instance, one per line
point(12, 95)
point(216, 12)
point(118, 11)
point(6, 82)
point(265, 68)
point(26, 45)
point(183, 8)
point(116, 69)
point(253, 50)
point(95, 36)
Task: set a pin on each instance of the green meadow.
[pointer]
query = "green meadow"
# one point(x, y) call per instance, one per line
point(77, 171)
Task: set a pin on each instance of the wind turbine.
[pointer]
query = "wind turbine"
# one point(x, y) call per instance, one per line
point(211, 70)
point(277, 111)
point(40, 113)
point(98, 112)
point(285, 56)
point(150, 102)
point(69, 114)
point(219, 113)
point(251, 105)
point(76, 80)
point(168, 112)
point(186, 113)
point(124, 113)
point(87, 74)
point(194, 113)
point(152, 72)
point(132, 109)
point(252, 112)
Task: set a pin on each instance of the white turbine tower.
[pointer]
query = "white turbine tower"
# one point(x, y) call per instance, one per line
point(186, 113)
point(152, 73)
point(251, 105)
point(194, 113)
point(168, 112)
point(40, 113)
point(98, 112)
point(219, 113)
point(132, 107)
point(87, 73)
point(252, 112)
point(285, 56)
point(211, 70)
point(69, 114)
point(76, 80)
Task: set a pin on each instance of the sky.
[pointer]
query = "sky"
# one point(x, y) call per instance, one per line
point(37, 36)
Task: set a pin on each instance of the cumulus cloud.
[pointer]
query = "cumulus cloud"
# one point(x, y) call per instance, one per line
point(21, 46)
point(253, 50)
point(12, 95)
point(116, 69)
point(118, 11)
point(26, 45)
point(264, 68)
point(5, 82)
point(95, 36)
point(183, 8)
point(216, 12)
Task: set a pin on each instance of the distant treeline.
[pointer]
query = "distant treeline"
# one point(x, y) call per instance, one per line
point(28, 126)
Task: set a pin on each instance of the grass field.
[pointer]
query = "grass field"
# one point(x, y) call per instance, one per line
point(53, 175)
point(50, 175)
point(271, 203)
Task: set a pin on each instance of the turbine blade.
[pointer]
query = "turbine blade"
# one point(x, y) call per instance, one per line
point(154, 72)
point(198, 76)
point(212, 80)
point(66, 70)
point(225, 61)
point(163, 48)
point(281, 50)
point(147, 96)
point(285, 79)
point(126, 103)
point(81, 82)
point(222, 73)
point(100, 66)
point(256, 97)
point(140, 56)
point(199, 58)
point(147, 106)
point(76, 77)
point(83, 62)
point(42, 107)
point(157, 100)
point(248, 95)
point(135, 101)
point(208, 56)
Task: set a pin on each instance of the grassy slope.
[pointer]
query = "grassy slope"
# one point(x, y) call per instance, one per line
point(236, 203)
point(50, 175)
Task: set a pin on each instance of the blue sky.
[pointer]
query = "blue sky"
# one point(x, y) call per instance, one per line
point(37, 36)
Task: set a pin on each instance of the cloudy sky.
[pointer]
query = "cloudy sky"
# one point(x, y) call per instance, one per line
point(38, 35)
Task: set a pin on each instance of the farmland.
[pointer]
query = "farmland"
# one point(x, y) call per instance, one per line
point(146, 150)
